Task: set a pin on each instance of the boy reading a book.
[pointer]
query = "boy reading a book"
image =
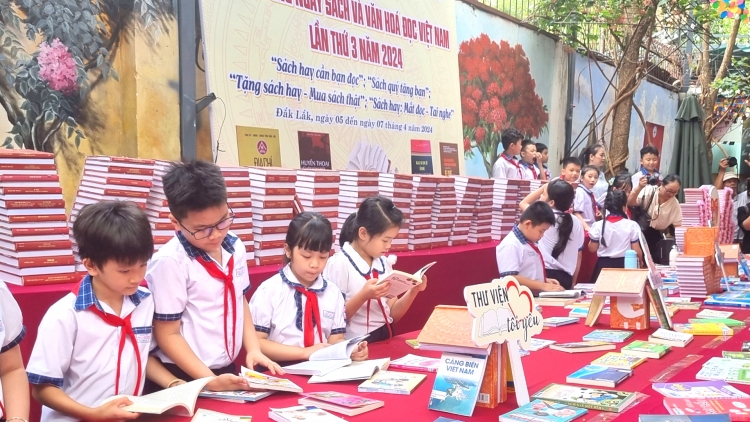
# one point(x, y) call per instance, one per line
point(199, 280)
point(518, 254)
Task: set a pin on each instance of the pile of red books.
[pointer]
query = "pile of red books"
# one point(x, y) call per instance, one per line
point(35, 246)
point(272, 191)
point(157, 208)
point(697, 276)
point(480, 230)
point(444, 210)
point(318, 191)
point(356, 186)
point(467, 196)
point(398, 188)
point(420, 221)
point(504, 207)
point(524, 189)
point(237, 180)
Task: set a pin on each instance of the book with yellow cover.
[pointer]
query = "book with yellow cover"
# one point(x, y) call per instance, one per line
point(449, 330)
point(707, 329)
point(619, 360)
point(258, 147)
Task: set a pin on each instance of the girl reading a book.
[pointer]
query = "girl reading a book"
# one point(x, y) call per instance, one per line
point(561, 244)
point(298, 311)
point(365, 237)
point(614, 235)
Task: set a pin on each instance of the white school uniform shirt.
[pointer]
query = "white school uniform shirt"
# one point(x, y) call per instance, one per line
point(278, 309)
point(12, 330)
point(506, 167)
point(515, 256)
point(636, 178)
point(584, 205)
point(184, 291)
point(77, 351)
point(529, 171)
point(740, 200)
point(347, 269)
point(620, 237)
point(568, 258)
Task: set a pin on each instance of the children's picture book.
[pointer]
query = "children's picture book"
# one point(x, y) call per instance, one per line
point(235, 396)
point(457, 383)
point(619, 360)
point(599, 375)
point(558, 321)
point(735, 371)
point(583, 346)
point(740, 299)
point(729, 322)
point(738, 409)
point(735, 355)
point(261, 381)
point(698, 390)
point(611, 336)
point(392, 383)
point(543, 411)
point(704, 329)
point(203, 415)
point(179, 400)
point(713, 314)
point(416, 363)
point(684, 418)
point(536, 344)
point(401, 281)
point(345, 404)
point(645, 349)
point(327, 359)
point(670, 338)
point(302, 413)
point(355, 371)
point(589, 398)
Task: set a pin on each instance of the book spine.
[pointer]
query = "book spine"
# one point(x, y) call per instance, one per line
point(129, 170)
point(125, 193)
point(38, 280)
point(132, 160)
point(30, 191)
point(278, 191)
point(19, 166)
point(590, 406)
point(24, 153)
point(12, 205)
point(45, 261)
point(234, 173)
point(238, 183)
point(128, 182)
point(38, 231)
point(275, 178)
point(42, 246)
point(28, 178)
point(36, 218)
point(163, 226)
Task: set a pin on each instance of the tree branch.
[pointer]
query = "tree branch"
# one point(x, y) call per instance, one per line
point(56, 124)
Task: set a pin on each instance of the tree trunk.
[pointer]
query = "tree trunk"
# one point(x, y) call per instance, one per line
point(627, 80)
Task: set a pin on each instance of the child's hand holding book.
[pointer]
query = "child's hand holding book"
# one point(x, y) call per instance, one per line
point(373, 289)
point(314, 348)
point(360, 353)
point(421, 286)
point(228, 382)
point(112, 411)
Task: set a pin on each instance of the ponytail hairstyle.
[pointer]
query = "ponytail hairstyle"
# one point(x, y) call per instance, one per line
point(376, 214)
point(622, 181)
point(310, 231)
point(563, 194)
point(588, 152)
point(614, 205)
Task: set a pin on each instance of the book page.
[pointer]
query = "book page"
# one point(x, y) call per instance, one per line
point(418, 275)
point(339, 351)
point(182, 395)
point(357, 370)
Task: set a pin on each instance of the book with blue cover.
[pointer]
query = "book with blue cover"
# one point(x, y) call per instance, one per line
point(599, 375)
point(543, 411)
point(457, 383)
point(740, 299)
point(611, 336)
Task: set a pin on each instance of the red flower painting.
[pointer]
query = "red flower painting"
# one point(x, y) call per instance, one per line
point(497, 92)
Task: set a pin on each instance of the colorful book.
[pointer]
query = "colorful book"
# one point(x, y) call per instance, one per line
point(729, 322)
point(588, 398)
point(599, 375)
point(416, 363)
point(392, 383)
point(558, 321)
point(343, 403)
point(699, 390)
point(360, 370)
point(693, 306)
point(457, 383)
point(236, 396)
point(578, 312)
point(543, 411)
point(713, 314)
point(645, 349)
point(203, 415)
point(619, 360)
point(704, 329)
point(735, 355)
point(302, 413)
point(611, 336)
point(583, 346)
point(684, 418)
point(261, 381)
point(734, 371)
point(670, 338)
point(536, 344)
point(739, 409)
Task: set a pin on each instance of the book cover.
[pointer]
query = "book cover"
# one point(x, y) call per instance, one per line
point(558, 321)
point(258, 147)
point(645, 349)
point(671, 338)
point(713, 314)
point(314, 150)
point(729, 370)
point(203, 415)
point(612, 336)
point(244, 396)
point(421, 157)
point(619, 360)
point(494, 388)
point(583, 346)
point(599, 375)
point(589, 398)
point(699, 390)
point(739, 409)
point(629, 313)
point(746, 346)
point(457, 383)
point(449, 329)
point(536, 344)
point(543, 411)
point(683, 418)
point(342, 399)
point(735, 355)
point(392, 383)
point(449, 159)
point(268, 382)
point(621, 282)
point(704, 329)
point(416, 363)
point(729, 322)
point(302, 413)
point(360, 370)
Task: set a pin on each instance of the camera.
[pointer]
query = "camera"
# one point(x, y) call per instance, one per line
point(732, 161)
point(653, 180)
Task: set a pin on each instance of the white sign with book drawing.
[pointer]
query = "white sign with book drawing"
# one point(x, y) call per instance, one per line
point(504, 311)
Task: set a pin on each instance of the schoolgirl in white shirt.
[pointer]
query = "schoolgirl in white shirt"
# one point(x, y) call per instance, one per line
point(585, 206)
point(365, 237)
point(298, 311)
point(614, 235)
point(561, 245)
point(14, 385)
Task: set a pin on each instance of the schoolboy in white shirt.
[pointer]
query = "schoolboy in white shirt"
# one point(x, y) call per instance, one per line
point(649, 163)
point(529, 159)
point(518, 254)
point(14, 385)
point(506, 166)
point(199, 280)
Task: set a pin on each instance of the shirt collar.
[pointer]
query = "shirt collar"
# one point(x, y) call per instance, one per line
point(527, 165)
point(585, 189)
point(287, 276)
point(647, 173)
point(519, 235)
point(227, 244)
point(358, 263)
point(508, 157)
point(85, 297)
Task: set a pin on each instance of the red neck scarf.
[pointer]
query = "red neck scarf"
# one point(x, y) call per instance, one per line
point(541, 258)
point(228, 279)
point(312, 316)
point(614, 218)
point(515, 164)
point(374, 274)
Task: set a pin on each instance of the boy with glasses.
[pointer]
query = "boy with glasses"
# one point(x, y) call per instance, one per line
point(199, 280)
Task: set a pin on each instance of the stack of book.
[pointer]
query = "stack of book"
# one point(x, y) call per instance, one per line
point(444, 208)
point(467, 196)
point(272, 191)
point(690, 209)
point(420, 222)
point(726, 209)
point(157, 208)
point(237, 180)
point(112, 179)
point(696, 276)
point(355, 187)
point(318, 191)
point(524, 189)
point(679, 237)
point(480, 230)
point(398, 187)
point(35, 247)
point(504, 207)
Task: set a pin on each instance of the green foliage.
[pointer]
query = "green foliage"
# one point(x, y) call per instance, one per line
point(737, 83)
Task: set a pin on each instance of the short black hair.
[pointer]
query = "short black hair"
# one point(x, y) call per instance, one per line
point(671, 178)
point(540, 147)
point(571, 160)
point(113, 230)
point(310, 231)
point(193, 186)
point(510, 137)
point(587, 169)
point(539, 213)
point(377, 214)
point(649, 149)
point(527, 142)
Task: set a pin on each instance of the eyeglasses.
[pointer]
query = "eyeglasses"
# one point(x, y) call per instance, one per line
point(205, 232)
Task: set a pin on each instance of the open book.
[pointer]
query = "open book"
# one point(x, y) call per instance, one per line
point(327, 359)
point(356, 371)
point(401, 281)
point(261, 381)
point(179, 400)
point(203, 415)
